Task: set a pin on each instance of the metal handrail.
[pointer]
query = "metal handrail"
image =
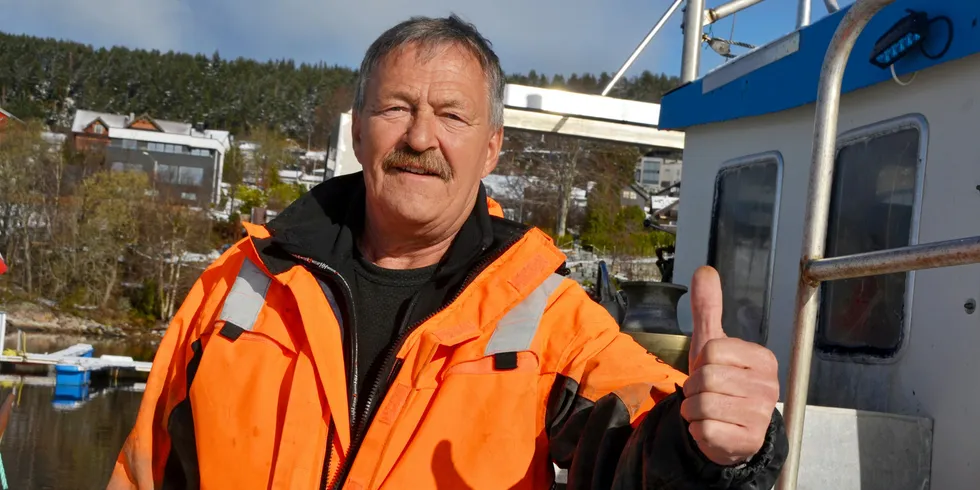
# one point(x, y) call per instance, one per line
point(724, 10)
point(815, 223)
point(803, 14)
point(947, 253)
point(815, 269)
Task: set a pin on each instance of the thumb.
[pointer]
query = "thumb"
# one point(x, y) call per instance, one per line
point(706, 304)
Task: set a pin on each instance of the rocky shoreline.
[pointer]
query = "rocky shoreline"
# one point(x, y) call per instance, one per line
point(34, 317)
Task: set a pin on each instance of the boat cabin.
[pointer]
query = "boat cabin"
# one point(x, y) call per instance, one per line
point(896, 356)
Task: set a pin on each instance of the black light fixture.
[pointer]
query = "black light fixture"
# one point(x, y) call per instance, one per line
point(908, 33)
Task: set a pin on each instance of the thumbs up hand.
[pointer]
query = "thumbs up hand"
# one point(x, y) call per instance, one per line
point(734, 385)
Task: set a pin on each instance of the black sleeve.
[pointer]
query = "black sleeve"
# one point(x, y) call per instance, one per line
point(595, 442)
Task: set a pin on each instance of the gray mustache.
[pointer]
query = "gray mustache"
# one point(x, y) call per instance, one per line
point(429, 161)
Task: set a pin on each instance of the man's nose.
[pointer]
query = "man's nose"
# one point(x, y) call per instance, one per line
point(421, 134)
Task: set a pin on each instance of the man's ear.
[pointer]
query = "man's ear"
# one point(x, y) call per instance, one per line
point(355, 130)
point(493, 151)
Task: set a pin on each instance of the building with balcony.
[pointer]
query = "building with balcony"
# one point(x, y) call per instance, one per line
point(184, 161)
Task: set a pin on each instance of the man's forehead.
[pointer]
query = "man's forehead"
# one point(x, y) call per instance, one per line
point(424, 52)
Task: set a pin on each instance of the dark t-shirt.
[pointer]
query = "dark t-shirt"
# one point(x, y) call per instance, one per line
point(381, 298)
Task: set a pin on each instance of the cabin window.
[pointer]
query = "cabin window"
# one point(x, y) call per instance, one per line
point(872, 207)
point(741, 246)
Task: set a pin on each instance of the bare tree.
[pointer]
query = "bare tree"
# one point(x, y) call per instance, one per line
point(171, 233)
point(561, 164)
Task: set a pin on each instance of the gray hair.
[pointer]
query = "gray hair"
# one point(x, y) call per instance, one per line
point(429, 33)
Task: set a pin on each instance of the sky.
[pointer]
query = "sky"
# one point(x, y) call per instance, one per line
point(550, 36)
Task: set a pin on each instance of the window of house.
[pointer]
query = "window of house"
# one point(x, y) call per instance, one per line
point(190, 176)
point(167, 173)
point(188, 196)
point(741, 246)
point(126, 167)
point(129, 144)
point(872, 207)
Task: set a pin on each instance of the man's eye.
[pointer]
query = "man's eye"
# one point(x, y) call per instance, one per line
point(453, 117)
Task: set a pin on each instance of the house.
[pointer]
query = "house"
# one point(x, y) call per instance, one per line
point(635, 194)
point(184, 160)
point(658, 170)
point(5, 117)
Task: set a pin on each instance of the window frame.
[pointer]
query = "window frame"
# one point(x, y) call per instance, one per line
point(767, 157)
point(869, 132)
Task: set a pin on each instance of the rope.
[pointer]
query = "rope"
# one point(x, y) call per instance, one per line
point(731, 35)
point(713, 40)
point(739, 44)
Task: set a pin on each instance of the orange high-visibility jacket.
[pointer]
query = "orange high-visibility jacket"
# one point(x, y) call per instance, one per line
point(507, 369)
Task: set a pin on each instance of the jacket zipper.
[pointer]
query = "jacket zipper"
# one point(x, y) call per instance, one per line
point(352, 328)
point(325, 475)
point(352, 390)
point(390, 363)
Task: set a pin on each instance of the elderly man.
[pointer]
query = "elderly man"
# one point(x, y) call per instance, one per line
point(391, 330)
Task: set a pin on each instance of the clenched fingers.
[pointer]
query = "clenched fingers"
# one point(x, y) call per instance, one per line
point(746, 412)
point(732, 381)
point(737, 352)
point(725, 444)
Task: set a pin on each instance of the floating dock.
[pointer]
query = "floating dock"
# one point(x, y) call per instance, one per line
point(74, 365)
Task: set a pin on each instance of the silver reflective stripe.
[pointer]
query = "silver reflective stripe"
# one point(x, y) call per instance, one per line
point(561, 476)
point(247, 296)
point(517, 328)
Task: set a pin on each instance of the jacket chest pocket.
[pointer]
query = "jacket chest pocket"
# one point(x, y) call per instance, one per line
point(482, 428)
point(237, 399)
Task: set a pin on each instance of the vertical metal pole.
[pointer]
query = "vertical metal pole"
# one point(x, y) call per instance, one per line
point(693, 32)
point(643, 44)
point(815, 224)
point(3, 329)
point(803, 14)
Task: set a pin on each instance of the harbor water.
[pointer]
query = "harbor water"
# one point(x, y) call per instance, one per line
point(54, 441)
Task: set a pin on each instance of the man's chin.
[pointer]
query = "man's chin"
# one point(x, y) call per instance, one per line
point(413, 208)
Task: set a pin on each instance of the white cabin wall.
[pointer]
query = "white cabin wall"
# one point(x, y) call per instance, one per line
point(936, 372)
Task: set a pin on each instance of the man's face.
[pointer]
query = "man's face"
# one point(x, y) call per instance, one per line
point(424, 135)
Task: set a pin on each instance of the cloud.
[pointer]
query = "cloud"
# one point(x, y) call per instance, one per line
point(150, 24)
point(552, 36)
point(570, 35)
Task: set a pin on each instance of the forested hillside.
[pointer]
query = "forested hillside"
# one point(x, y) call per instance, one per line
point(48, 79)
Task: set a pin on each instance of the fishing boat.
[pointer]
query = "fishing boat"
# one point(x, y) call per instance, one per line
point(831, 177)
